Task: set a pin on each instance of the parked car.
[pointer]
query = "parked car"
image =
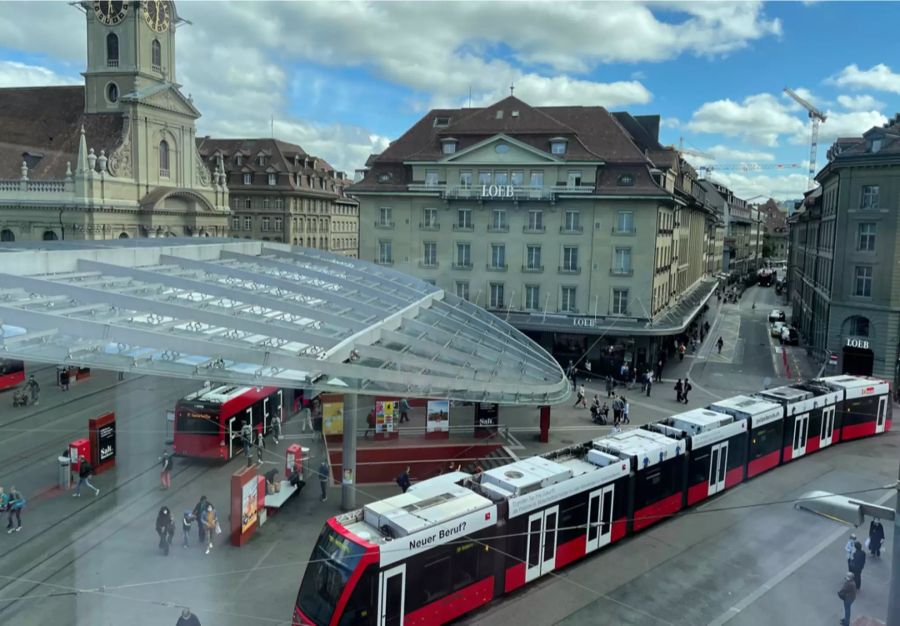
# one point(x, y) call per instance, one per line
point(775, 329)
point(777, 315)
point(790, 335)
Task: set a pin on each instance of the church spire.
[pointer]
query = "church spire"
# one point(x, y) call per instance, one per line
point(82, 153)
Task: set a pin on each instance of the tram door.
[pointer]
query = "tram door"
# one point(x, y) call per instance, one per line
point(827, 426)
point(801, 430)
point(391, 594)
point(231, 435)
point(540, 549)
point(718, 467)
point(265, 416)
point(882, 414)
point(600, 510)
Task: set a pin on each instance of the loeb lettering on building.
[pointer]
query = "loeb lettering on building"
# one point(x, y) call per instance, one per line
point(497, 191)
point(852, 342)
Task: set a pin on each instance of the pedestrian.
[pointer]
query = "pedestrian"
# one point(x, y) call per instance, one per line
point(719, 344)
point(580, 398)
point(574, 376)
point(260, 447)
point(15, 505)
point(618, 408)
point(626, 408)
point(370, 423)
point(198, 512)
point(876, 536)
point(64, 379)
point(4, 500)
point(847, 594)
point(323, 479)
point(85, 470)
point(403, 479)
point(706, 327)
point(404, 410)
point(276, 428)
point(33, 388)
point(678, 389)
point(610, 385)
point(659, 369)
point(604, 413)
point(165, 528)
point(857, 563)
point(246, 440)
point(649, 383)
point(306, 422)
point(587, 369)
point(187, 520)
point(681, 351)
point(187, 619)
point(850, 548)
point(165, 476)
point(211, 521)
point(685, 390)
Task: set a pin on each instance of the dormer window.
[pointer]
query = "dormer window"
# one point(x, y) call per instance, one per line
point(261, 160)
point(625, 180)
point(876, 145)
point(441, 122)
point(499, 114)
point(448, 145)
point(238, 159)
point(558, 145)
point(385, 178)
point(273, 179)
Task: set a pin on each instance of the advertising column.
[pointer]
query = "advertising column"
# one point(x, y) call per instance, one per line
point(487, 418)
point(103, 442)
point(437, 419)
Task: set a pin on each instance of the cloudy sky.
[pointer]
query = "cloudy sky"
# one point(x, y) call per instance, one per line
point(344, 78)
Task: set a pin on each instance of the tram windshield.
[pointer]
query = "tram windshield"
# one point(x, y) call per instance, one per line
point(332, 562)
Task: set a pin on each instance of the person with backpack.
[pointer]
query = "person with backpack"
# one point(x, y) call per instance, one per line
point(198, 511)
point(403, 480)
point(678, 390)
point(685, 390)
point(85, 471)
point(847, 594)
point(276, 429)
point(15, 505)
point(165, 476)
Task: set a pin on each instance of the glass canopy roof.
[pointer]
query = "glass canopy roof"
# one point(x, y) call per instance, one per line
point(261, 313)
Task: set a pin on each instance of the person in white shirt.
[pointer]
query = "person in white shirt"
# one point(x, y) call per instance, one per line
point(850, 548)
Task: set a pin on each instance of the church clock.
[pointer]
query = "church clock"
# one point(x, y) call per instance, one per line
point(110, 12)
point(156, 14)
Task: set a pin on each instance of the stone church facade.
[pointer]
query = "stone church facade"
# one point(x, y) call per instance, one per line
point(115, 157)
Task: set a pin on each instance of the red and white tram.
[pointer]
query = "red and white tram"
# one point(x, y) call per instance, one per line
point(454, 543)
point(809, 417)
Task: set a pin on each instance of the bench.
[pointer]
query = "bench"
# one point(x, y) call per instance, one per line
point(275, 501)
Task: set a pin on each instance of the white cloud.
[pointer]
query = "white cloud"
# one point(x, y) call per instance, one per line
point(760, 119)
point(878, 77)
point(670, 122)
point(562, 90)
point(862, 102)
point(852, 124)
point(726, 153)
point(780, 187)
point(15, 74)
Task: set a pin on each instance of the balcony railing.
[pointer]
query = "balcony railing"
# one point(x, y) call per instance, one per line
point(429, 226)
point(463, 266)
point(384, 224)
point(37, 186)
point(491, 267)
point(532, 269)
point(498, 228)
point(429, 265)
point(478, 191)
point(630, 231)
point(569, 269)
point(571, 230)
point(463, 228)
point(528, 228)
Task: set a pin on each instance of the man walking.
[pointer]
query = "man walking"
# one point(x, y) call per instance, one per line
point(876, 537)
point(649, 383)
point(370, 424)
point(260, 446)
point(626, 408)
point(247, 440)
point(403, 479)
point(199, 511)
point(580, 398)
point(719, 344)
point(15, 506)
point(165, 476)
point(276, 428)
point(404, 410)
point(33, 389)
point(678, 389)
point(610, 385)
point(84, 474)
point(618, 408)
point(850, 548)
point(323, 479)
point(847, 594)
point(685, 390)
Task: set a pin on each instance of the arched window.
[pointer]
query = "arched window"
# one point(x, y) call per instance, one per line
point(123, 235)
point(49, 235)
point(858, 325)
point(164, 158)
point(7, 235)
point(156, 55)
point(112, 50)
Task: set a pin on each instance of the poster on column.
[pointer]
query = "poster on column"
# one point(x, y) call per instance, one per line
point(333, 418)
point(248, 504)
point(437, 417)
point(384, 416)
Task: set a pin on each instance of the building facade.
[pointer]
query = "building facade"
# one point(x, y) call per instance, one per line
point(739, 252)
point(114, 157)
point(843, 253)
point(281, 193)
point(571, 223)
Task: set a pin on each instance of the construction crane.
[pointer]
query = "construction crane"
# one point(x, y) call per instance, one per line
point(815, 116)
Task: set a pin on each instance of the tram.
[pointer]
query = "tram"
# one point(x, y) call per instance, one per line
point(12, 373)
point(454, 543)
point(208, 422)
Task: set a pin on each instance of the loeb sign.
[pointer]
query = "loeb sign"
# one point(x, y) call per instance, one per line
point(497, 191)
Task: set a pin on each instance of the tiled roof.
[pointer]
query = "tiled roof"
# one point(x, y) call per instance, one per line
point(46, 121)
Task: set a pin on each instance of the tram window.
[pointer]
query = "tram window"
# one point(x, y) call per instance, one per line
point(8, 366)
point(465, 565)
point(767, 439)
point(534, 543)
point(856, 412)
point(654, 479)
point(572, 519)
point(436, 578)
point(361, 607)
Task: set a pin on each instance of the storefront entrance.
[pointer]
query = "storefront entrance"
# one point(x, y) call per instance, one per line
point(858, 361)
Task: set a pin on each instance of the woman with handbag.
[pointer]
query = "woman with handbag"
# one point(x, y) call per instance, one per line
point(211, 522)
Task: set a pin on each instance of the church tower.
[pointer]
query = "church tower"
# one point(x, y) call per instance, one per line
point(131, 46)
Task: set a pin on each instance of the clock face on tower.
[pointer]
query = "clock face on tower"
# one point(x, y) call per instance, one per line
point(156, 14)
point(110, 12)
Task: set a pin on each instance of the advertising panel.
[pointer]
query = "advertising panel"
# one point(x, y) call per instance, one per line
point(487, 417)
point(333, 418)
point(437, 416)
point(385, 416)
point(248, 505)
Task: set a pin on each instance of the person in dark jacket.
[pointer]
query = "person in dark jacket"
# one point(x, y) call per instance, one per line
point(165, 528)
point(370, 423)
point(686, 389)
point(403, 480)
point(678, 388)
point(187, 619)
point(323, 479)
point(85, 470)
point(847, 594)
point(187, 520)
point(198, 515)
point(876, 538)
point(857, 563)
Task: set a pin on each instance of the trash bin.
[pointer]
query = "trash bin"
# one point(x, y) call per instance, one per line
point(304, 456)
point(65, 472)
